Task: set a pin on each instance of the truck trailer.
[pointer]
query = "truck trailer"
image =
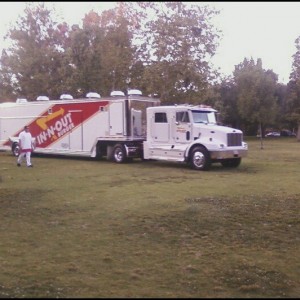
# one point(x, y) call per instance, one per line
point(122, 127)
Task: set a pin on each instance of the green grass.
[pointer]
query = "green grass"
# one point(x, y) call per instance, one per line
point(85, 228)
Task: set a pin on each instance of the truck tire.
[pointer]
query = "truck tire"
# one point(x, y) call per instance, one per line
point(231, 163)
point(15, 149)
point(200, 159)
point(119, 154)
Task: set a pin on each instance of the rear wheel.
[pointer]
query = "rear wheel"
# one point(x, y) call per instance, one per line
point(200, 159)
point(15, 149)
point(119, 153)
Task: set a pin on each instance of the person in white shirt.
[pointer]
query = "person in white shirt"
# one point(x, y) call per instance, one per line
point(26, 146)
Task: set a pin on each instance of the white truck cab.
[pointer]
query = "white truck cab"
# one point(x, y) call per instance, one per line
point(191, 134)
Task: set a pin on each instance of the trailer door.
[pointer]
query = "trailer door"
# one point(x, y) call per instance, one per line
point(116, 118)
point(76, 134)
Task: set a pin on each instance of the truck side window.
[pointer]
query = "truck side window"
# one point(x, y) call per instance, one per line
point(160, 117)
point(182, 117)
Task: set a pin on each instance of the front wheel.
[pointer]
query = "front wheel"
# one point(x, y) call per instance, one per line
point(200, 159)
point(119, 153)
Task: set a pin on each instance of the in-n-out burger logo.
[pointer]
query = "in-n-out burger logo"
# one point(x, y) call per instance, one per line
point(60, 126)
point(65, 117)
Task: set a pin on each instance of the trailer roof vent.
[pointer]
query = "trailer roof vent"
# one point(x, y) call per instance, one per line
point(134, 92)
point(66, 97)
point(93, 95)
point(42, 98)
point(21, 100)
point(117, 93)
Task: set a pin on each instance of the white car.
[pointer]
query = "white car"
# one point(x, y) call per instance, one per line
point(273, 133)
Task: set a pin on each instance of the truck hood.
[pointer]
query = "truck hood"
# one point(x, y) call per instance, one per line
point(212, 133)
point(216, 128)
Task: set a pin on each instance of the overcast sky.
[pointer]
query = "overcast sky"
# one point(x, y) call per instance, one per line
point(265, 30)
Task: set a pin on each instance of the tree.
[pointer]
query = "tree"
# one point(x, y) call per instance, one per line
point(84, 58)
point(101, 53)
point(33, 63)
point(256, 100)
point(117, 48)
point(6, 84)
point(227, 102)
point(293, 91)
point(179, 40)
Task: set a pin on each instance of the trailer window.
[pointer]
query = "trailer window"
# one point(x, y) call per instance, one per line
point(160, 118)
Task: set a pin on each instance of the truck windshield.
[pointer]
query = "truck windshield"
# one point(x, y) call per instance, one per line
point(200, 116)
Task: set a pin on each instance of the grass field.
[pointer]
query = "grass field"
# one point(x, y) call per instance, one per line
point(83, 228)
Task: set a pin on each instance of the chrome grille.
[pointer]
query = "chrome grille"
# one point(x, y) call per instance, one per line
point(234, 139)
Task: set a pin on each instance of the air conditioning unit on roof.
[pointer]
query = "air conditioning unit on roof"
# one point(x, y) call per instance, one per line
point(42, 98)
point(66, 97)
point(93, 95)
point(134, 92)
point(117, 93)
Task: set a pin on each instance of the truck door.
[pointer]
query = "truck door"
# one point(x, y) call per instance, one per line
point(116, 118)
point(160, 128)
point(182, 127)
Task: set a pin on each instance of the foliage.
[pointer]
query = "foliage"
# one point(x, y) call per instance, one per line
point(101, 53)
point(179, 43)
point(256, 89)
point(52, 58)
point(226, 103)
point(34, 60)
point(162, 48)
point(293, 93)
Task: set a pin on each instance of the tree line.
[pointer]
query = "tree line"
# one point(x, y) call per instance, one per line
point(161, 48)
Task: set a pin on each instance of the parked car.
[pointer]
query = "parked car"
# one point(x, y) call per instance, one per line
point(273, 134)
point(287, 133)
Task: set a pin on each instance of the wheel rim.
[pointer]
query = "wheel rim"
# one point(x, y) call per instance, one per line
point(16, 151)
point(119, 155)
point(198, 159)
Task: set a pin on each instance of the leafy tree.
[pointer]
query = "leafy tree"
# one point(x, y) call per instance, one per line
point(282, 117)
point(227, 102)
point(33, 63)
point(178, 43)
point(256, 100)
point(293, 91)
point(101, 53)
point(117, 48)
point(84, 58)
point(6, 82)
point(106, 54)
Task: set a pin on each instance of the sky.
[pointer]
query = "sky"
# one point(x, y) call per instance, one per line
point(265, 30)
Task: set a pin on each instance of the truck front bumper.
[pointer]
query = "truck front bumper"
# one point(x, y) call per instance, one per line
point(226, 154)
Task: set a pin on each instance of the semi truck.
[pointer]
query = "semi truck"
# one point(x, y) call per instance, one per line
point(122, 127)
